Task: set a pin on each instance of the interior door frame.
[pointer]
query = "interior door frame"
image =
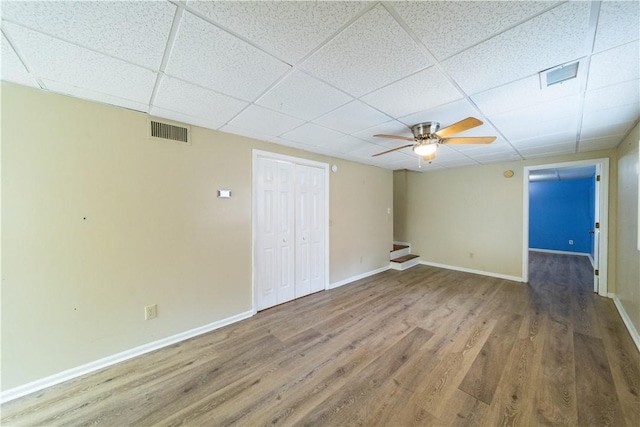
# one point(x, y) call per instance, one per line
point(602, 167)
point(257, 154)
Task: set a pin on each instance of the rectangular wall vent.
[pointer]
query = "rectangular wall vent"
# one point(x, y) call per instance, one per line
point(168, 131)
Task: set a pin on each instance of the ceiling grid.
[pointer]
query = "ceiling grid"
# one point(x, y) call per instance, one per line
point(327, 76)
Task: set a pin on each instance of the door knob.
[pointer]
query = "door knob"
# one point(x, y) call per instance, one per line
point(592, 232)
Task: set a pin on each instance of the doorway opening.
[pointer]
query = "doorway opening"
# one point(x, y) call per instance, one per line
point(593, 240)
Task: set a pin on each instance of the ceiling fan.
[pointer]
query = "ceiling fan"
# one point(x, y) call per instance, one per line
point(428, 136)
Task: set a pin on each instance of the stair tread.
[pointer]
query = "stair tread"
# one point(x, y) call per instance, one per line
point(405, 258)
point(398, 247)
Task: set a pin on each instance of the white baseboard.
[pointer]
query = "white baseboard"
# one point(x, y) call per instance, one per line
point(626, 319)
point(358, 277)
point(87, 368)
point(470, 270)
point(553, 251)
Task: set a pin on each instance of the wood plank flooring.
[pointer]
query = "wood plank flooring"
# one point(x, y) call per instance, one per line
point(425, 346)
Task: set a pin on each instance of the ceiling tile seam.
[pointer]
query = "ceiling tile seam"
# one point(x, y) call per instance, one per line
point(589, 44)
point(335, 34)
point(91, 49)
point(22, 60)
point(233, 34)
point(440, 68)
point(511, 27)
point(177, 17)
point(283, 77)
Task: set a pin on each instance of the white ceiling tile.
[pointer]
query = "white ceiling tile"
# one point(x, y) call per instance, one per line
point(312, 134)
point(450, 26)
point(91, 95)
point(618, 23)
point(522, 93)
point(591, 130)
point(264, 121)
point(565, 137)
point(615, 66)
point(185, 98)
point(184, 118)
point(610, 116)
point(344, 144)
point(392, 127)
point(496, 157)
point(302, 96)
point(370, 53)
point(523, 50)
point(245, 132)
point(613, 96)
point(206, 55)
point(68, 64)
point(421, 91)
point(543, 119)
point(134, 31)
point(352, 117)
point(603, 143)
point(12, 69)
point(289, 143)
point(549, 150)
point(288, 30)
point(455, 163)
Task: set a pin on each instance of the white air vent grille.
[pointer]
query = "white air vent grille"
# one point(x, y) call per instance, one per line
point(559, 74)
point(168, 131)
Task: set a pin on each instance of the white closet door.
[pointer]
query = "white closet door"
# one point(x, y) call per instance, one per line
point(275, 233)
point(317, 229)
point(309, 269)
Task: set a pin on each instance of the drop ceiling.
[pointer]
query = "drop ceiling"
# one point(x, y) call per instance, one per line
point(326, 76)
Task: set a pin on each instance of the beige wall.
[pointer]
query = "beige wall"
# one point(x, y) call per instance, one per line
point(99, 221)
point(628, 257)
point(400, 205)
point(471, 217)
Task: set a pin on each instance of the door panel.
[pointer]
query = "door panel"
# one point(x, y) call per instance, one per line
point(274, 233)
point(303, 255)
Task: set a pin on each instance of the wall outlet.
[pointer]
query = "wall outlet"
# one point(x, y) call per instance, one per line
point(571, 242)
point(151, 312)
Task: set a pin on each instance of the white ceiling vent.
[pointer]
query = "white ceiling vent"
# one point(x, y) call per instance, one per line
point(559, 74)
point(168, 131)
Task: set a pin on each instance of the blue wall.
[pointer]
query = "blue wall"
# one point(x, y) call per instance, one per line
point(560, 211)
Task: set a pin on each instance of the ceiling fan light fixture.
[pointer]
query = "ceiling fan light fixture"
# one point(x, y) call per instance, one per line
point(425, 149)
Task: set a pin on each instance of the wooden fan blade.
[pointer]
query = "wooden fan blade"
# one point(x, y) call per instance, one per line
point(470, 140)
point(406, 138)
point(393, 149)
point(461, 126)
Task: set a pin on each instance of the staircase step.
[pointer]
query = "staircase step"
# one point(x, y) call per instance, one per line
point(405, 258)
point(404, 262)
point(398, 247)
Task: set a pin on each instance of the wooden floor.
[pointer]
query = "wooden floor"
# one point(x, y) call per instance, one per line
point(424, 346)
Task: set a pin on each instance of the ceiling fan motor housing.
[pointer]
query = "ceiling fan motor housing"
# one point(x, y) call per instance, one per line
point(425, 129)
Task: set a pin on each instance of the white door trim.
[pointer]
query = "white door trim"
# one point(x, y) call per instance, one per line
point(603, 165)
point(254, 174)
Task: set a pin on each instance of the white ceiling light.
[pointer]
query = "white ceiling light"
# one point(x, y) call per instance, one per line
point(426, 148)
